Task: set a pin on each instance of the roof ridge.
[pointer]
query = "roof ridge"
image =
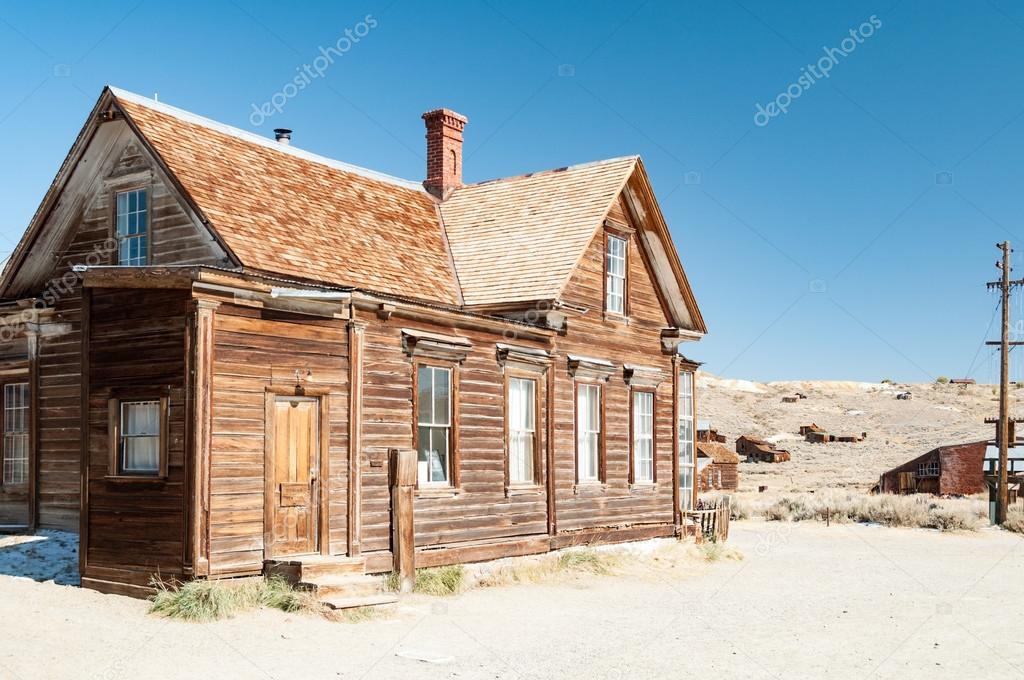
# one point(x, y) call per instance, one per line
point(549, 171)
point(254, 138)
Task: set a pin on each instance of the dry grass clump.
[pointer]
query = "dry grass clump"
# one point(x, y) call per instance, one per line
point(714, 551)
point(570, 563)
point(204, 600)
point(888, 510)
point(437, 581)
point(1015, 520)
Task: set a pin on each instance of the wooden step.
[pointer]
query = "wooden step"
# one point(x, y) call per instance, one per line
point(306, 568)
point(339, 582)
point(343, 586)
point(360, 601)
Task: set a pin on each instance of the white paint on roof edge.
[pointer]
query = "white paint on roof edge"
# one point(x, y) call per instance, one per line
point(254, 138)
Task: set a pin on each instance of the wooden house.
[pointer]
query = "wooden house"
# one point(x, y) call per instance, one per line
point(956, 470)
point(717, 467)
point(759, 451)
point(220, 352)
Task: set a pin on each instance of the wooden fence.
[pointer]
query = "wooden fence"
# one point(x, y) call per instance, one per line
point(712, 516)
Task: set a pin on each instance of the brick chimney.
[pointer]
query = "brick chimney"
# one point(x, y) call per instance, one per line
point(444, 151)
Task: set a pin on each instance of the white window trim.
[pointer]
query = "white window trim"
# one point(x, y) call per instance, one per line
point(424, 481)
point(144, 234)
point(522, 431)
point(610, 276)
point(16, 464)
point(639, 437)
point(122, 462)
point(585, 436)
point(686, 393)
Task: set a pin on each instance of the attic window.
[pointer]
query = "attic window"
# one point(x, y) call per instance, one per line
point(615, 275)
point(132, 228)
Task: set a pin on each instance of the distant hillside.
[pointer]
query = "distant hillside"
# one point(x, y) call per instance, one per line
point(896, 430)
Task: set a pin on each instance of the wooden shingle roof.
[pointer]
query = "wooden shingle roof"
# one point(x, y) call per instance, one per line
point(284, 211)
point(518, 239)
point(278, 210)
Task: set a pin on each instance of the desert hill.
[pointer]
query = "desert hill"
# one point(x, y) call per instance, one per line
point(897, 430)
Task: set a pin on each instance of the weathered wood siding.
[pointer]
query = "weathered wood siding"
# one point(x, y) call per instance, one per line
point(135, 528)
point(175, 240)
point(637, 342)
point(253, 350)
point(480, 510)
point(14, 363)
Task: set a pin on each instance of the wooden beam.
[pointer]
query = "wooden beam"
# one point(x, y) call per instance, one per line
point(356, 333)
point(202, 318)
point(403, 490)
point(83, 505)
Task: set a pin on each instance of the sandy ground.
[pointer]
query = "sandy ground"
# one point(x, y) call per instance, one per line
point(808, 601)
point(897, 430)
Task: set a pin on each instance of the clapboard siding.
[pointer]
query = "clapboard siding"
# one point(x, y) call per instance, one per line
point(252, 353)
point(175, 240)
point(480, 510)
point(137, 346)
point(637, 342)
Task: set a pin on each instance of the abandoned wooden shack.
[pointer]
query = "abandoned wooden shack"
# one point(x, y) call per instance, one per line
point(717, 467)
point(955, 470)
point(707, 433)
point(223, 354)
point(759, 451)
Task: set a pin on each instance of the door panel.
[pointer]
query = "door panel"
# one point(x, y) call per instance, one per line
point(295, 483)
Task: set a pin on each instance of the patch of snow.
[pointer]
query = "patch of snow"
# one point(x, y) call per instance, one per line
point(44, 556)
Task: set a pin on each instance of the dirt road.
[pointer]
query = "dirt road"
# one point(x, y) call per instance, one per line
point(806, 602)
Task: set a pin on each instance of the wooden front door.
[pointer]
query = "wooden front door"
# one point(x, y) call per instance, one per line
point(294, 477)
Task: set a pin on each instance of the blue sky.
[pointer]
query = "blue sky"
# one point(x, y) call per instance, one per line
point(847, 238)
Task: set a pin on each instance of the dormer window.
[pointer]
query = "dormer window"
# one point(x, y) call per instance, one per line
point(132, 228)
point(615, 275)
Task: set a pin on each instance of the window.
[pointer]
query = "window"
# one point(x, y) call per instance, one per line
point(522, 430)
point(132, 228)
point(643, 438)
point(686, 442)
point(138, 436)
point(434, 425)
point(615, 275)
point(929, 469)
point(16, 443)
point(588, 432)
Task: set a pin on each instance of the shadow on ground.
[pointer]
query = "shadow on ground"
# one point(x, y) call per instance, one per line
point(43, 556)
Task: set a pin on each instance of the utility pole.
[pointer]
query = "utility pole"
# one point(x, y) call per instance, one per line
point(1003, 433)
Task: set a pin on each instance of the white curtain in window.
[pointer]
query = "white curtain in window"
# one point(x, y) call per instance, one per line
point(643, 437)
point(588, 431)
point(521, 429)
point(140, 434)
point(686, 440)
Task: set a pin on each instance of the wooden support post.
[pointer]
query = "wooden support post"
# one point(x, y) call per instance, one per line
point(200, 420)
point(83, 508)
point(403, 536)
point(355, 435)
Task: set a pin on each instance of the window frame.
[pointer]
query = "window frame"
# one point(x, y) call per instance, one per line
point(610, 235)
point(633, 479)
point(27, 433)
point(687, 500)
point(511, 375)
point(626, 237)
point(116, 237)
point(601, 477)
point(929, 469)
point(115, 403)
point(452, 484)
